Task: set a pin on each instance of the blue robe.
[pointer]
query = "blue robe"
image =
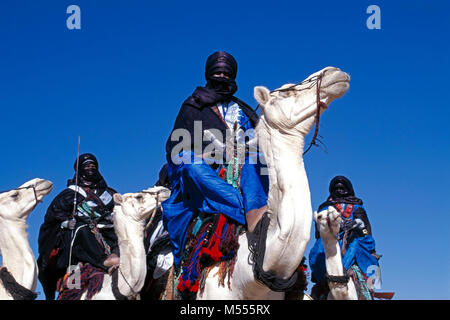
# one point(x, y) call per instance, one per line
point(358, 252)
point(196, 187)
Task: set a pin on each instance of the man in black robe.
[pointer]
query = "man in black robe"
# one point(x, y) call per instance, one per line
point(197, 187)
point(342, 194)
point(357, 243)
point(89, 226)
point(203, 104)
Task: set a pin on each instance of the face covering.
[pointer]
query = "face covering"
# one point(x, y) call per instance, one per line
point(87, 176)
point(340, 190)
point(91, 175)
point(341, 187)
point(222, 86)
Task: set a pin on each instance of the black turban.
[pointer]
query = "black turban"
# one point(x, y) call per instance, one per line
point(220, 61)
point(341, 191)
point(85, 158)
point(217, 89)
point(87, 177)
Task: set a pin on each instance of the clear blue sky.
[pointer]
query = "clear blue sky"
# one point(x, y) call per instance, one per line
point(119, 82)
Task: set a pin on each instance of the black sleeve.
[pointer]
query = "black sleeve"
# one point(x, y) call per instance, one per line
point(184, 120)
point(61, 207)
point(360, 213)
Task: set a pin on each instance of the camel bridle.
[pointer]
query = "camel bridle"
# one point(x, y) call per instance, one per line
point(134, 294)
point(313, 81)
point(156, 206)
point(23, 188)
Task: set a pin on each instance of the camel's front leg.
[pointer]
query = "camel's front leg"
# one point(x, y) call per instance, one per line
point(328, 222)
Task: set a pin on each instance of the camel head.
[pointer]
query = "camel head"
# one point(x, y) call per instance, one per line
point(17, 204)
point(140, 205)
point(328, 222)
point(292, 108)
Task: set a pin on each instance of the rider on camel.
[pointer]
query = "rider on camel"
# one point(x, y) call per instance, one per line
point(195, 182)
point(86, 232)
point(355, 239)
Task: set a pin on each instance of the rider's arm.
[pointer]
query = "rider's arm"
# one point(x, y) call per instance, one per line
point(60, 208)
point(361, 214)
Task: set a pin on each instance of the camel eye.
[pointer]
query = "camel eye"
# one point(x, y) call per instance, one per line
point(15, 195)
point(139, 198)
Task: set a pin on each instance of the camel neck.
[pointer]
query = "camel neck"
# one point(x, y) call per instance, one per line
point(17, 255)
point(289, 206)
point(333, 259)
point(334, 267)
point(132, 253)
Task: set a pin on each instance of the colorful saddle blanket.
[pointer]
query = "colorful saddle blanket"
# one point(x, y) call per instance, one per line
point(84, 278)
point(211, 240)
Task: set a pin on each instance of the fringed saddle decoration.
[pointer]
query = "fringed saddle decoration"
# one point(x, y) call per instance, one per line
point(212, 240)
point(90, 281)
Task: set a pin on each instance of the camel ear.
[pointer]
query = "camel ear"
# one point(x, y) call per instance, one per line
point(261, 94)
point(118, 198)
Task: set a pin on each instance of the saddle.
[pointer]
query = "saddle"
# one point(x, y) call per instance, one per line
point(159, 259)
point(211, 240)
point(83, 278)
point(321, 290)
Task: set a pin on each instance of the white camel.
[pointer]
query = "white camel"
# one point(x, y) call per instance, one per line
point(15, 207)
point(130, 212)
point(287, 116)
point(328, 222)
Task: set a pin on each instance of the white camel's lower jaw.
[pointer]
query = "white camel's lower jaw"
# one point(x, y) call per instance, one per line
point(164, 195)
point(161, 192)
point(339, 81)
point(335, 78)
point(44, 187)
point(336, 90)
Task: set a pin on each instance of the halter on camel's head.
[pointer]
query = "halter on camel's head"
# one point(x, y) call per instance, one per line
point(19, 202)
point(281, 107)
point(143, 203)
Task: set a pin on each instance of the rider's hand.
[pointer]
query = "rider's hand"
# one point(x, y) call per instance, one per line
point(71, 225)
point(360, 224)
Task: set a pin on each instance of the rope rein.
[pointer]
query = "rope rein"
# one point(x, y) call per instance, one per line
point(115, 282)
point(24, 188)
point(313, 81)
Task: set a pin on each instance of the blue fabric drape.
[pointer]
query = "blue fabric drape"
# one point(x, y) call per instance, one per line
point(357, 252)
point(196, 187)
